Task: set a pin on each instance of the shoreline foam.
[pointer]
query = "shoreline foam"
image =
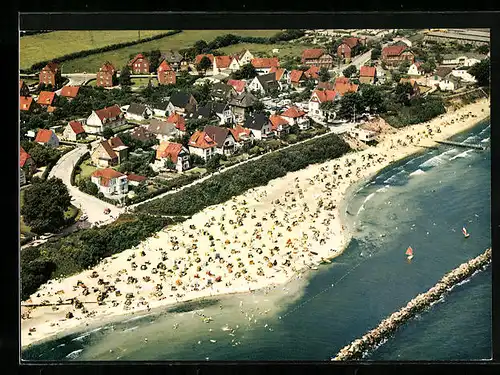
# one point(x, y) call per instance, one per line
point(260, 201)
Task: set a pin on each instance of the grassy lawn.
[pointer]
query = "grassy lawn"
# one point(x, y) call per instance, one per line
point(92, 83)
point(41, 47)
point(141, 82)
point(87, 170)
point(195, 170)
point(285, 49)
point(186, 39)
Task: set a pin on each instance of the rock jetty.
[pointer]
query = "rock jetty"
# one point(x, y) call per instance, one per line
point(359, 347)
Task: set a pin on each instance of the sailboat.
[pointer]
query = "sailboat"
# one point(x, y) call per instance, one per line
point(464, 231)
point(409, 253)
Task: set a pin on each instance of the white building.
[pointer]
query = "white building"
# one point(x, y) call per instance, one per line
point(110, 182)
point(462, 60)
point(364, 135)
point(259, 124)
point(245, 57)
point(138, 112)
point(202, 144)
point(464, 75)
point(415, 69)
point(109, 117)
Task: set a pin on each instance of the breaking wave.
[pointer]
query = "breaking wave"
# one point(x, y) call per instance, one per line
point(74, 354)
point(417, 172)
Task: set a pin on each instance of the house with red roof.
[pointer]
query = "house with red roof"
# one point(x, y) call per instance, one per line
point(296, 77)
point(282, 76)
point(241, 136)
point(211, 57)
point(176, 152)
point(23, 88)
point(317, 98)
point(225, 64)
point(109, 153)
point(347, 49)
point(139, 64)
point(367, 74)
point(223, 138)
point(110, 182)
point(46, 98)
point(178, 121)
point(202, 144)
point(263, 65)
point(166, 75)
point(238, 85)
point(312, 73)
point(244, 57)
point(106, 76)
point(26, 103)
point(343, 85)
point(295, 116)
point(47, 137)
point(395, 55)
point(135, 179)
point(50, 75)
point(279, 125)
point(26, 162)
point(70, 92)
point(317, 57)
point(108, 117)
point(74, 131)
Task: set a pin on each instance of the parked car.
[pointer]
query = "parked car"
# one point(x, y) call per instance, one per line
point(107, 211)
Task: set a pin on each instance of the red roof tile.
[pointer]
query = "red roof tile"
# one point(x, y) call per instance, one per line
point(107, 67)
point(223, 61)
point(312, 72)
point(23, 157)
point(70, 91)
point(108, 112)
point(325, 95)
point(293, 112)
point(46, 97)
point(343, 85)
point(178, 120)
point(77, 127)
point(51, 66)
point(393, 50)
point(106, 175)
point(25, 103)
point(50, 109)
point(238, 85)
point(367, 71)
point(137, 57)
point(278, 72)
point(201, 140)
point(164, 66)
point(313, 53)
point(265, 62)
point(237, 131)
point(136, 177)
point(43, 135)
point(351, 42)
point(168, 150)
point(199, 57)
point(296, 75)
point(276, 121)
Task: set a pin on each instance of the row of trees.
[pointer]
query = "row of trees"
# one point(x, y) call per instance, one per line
point(41, 154)
point(220, 188)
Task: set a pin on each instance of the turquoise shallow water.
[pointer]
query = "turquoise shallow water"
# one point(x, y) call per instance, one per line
point(422, 201)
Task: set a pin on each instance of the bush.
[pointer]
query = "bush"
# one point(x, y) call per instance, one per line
point(220, 188)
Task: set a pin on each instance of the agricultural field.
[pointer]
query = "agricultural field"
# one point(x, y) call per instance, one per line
point(41, 47)
point(265, 50)
point(185, 39)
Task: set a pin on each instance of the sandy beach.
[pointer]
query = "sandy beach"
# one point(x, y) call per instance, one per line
point(261, 238)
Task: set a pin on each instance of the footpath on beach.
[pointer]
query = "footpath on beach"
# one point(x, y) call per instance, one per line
point(359, 347)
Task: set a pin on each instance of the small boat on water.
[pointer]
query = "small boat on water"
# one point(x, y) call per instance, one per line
point(409, 253)
point(465, 233)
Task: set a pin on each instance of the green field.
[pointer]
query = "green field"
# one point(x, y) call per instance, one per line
point(185, 39)
point(261, 50)
point(41, 47)
point(140, 82)
point(86, 170)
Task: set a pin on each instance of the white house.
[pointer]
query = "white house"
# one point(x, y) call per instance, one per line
point(317, 98)
point(234, 65)
point(109, 117)
point(264, 83)
point(202, 144)
point(295, 116)
point(467, 59)
point(464, 75)
point(224, 113)
point(110, 182)
point(176, 152)
point(364, 135)
point(449, 83)
point(415, 69)
point(224, 139)
point(164, 109)
point(74, 131)
point(245, 57)
point(164, 131)
point(138, 112)
point(259, 124)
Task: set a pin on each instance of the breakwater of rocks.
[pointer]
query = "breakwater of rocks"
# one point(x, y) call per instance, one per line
point(370, 340)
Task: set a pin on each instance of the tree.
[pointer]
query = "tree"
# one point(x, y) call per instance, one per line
point(429, 66)
point(324, 76)
point(142, 188)
point(403, 67)
point(204, 64)
point(213, 163)
point(349, 71)
point(43, 154)
point(154, 60)
point(108, 133)
point(196, 160)
point(44, 205)
point(247, 71)
point(403, 93)
point(258, 106)
point(396, 75)
point(481, 71)
point(484, 49)
point(125, 76)
point(169, 164)
point(200, 46)
point(372, 97)
point(376, 52)
point(202, 93)
point(350, 104)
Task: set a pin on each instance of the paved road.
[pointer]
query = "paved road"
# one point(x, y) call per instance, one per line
point(357, 61)
point(92, 206)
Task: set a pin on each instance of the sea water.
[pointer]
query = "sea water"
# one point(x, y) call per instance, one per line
point(422, 201)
